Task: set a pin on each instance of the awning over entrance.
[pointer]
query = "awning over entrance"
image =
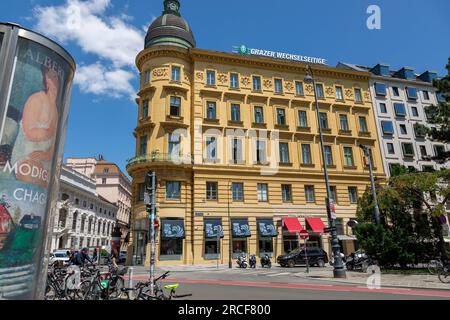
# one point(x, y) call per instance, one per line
point(240, 228)
point(344, 237)
point(292, 224)
point(211, 227)
point(315, 224)
point(267, 228)
point(172, 229)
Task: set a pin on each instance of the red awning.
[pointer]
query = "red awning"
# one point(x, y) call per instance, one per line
point(292, 224)
point(316, 224)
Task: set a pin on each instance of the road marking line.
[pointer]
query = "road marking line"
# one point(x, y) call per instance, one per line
point(278, 274)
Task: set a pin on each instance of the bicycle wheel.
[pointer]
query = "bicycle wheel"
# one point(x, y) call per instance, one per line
point(432, 267)
point(115, 290)
point(50, 292)
point(444, 276)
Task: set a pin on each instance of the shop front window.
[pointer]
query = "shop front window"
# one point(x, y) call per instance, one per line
point(265, 245)
point(172, 235)
point(213, 234)
point(290, 242)
point(239, 245)
point(172, 247)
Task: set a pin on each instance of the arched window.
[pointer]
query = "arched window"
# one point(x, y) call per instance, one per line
point(62, 218)
point(74, 220)
point(64, 197)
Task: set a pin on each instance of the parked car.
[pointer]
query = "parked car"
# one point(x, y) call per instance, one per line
point(59, 255)
point(315, 255)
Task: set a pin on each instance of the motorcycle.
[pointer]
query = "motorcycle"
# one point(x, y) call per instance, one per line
point(252, 261)
point(265, 261)
point(359, 261)
point(242, 261)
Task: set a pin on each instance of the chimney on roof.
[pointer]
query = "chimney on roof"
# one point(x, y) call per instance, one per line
point(100, 157)
point(405, 73)
point(381, 69)
point(428, 76)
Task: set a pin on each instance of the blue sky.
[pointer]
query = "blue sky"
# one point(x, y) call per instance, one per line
point(103, 115)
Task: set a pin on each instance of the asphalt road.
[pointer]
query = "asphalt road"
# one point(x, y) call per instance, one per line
point(278, 284)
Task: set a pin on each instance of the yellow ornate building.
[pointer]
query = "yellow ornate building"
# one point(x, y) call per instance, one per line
point(234, 142)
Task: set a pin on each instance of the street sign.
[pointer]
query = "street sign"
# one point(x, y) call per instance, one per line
point(329, 229)
point(303, 234)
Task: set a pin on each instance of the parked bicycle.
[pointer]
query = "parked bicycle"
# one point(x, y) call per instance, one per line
point(434, 266)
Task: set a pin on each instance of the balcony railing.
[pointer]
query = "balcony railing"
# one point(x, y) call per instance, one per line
point(160, 157)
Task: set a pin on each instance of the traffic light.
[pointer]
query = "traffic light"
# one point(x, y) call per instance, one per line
point(150, 190)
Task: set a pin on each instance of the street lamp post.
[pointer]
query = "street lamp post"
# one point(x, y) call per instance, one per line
point(230, 231)
point(376, 210)
point(338, 266)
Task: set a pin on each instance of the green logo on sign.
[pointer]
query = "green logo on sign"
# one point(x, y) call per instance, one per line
point(243, 49)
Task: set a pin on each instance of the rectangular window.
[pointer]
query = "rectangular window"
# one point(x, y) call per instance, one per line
point(286, 192)
point(309, 194)
point(259, 115)
point(380, 89)
point(306, 154)
point(176, 72)
point(260, 151)
point(256, 83)
point(348, 157)
point(414, 111)
point(299, 88)
point(426, 95)
point(263, 192)
point(400, 110)
point(363, 124)
point(395, 91)
point(343, 122)
point(333, 194)
point(173, 190)
point(411, 93)
point(235, 112)
point(439, 151)
point(281, 117)
point(175, 106)
point(390, 148)
point(237, 150)
point(147, 77)
point(238, 191)
point(265, 245)
point(284, 152)
point(339, 93)
point(211, 148)
point(383, 107)
point(145, 109)
point(141, 193)
point(143, 146)
point(319, 90)
point(171, 247)
point(408, 149)
point(403, 129)
point(174, 144)
point(211, 190)
point(211, 110)
point(302, 119)
point(278, 86)
point(328, 156)
point(387, 127)
point(358, 96)
point(103, 182)
point(353, 194)
point(323, 120)
point(234, 80)
point(211, 78)
point(423, 151)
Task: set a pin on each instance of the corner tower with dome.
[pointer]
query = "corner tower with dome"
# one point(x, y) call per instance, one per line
point(234, 143)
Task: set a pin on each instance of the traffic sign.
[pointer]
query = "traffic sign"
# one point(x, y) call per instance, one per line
point(329, 229)
point(303, 234)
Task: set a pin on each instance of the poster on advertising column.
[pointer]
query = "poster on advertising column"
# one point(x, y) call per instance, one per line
point(34, 123)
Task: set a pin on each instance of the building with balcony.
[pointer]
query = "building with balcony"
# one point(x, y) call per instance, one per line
point(111, 184)
point(234, 142)
point(83, 218)
point(400, 98)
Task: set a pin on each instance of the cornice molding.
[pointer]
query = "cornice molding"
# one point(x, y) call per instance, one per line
point(161, 51)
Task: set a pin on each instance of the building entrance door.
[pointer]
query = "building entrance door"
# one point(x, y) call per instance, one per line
point(140, 248)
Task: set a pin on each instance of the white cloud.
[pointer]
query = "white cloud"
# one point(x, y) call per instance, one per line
point(111, 39)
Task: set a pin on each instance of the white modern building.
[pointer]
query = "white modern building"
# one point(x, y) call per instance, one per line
point(83, 218)
point(400, 98)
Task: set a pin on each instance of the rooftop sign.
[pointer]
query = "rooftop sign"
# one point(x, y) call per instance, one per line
point(244, 50)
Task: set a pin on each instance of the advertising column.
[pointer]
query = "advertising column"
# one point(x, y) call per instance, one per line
point(34, 107)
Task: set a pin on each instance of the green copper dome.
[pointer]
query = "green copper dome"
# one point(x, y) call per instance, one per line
point(170, 28)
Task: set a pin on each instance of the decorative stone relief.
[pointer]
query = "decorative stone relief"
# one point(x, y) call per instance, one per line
point(289, 86)
point(309, 88)
point(348, 93)
point(199, 75)
point(222, 78)
point(267, 83)
point(245, 81)
point(160, 72)
point(366, 95)
point(329, 91)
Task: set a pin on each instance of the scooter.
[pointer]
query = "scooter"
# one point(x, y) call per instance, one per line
point(265, 261)
point(252, 261)
point(359, 260)
point(242, 261)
